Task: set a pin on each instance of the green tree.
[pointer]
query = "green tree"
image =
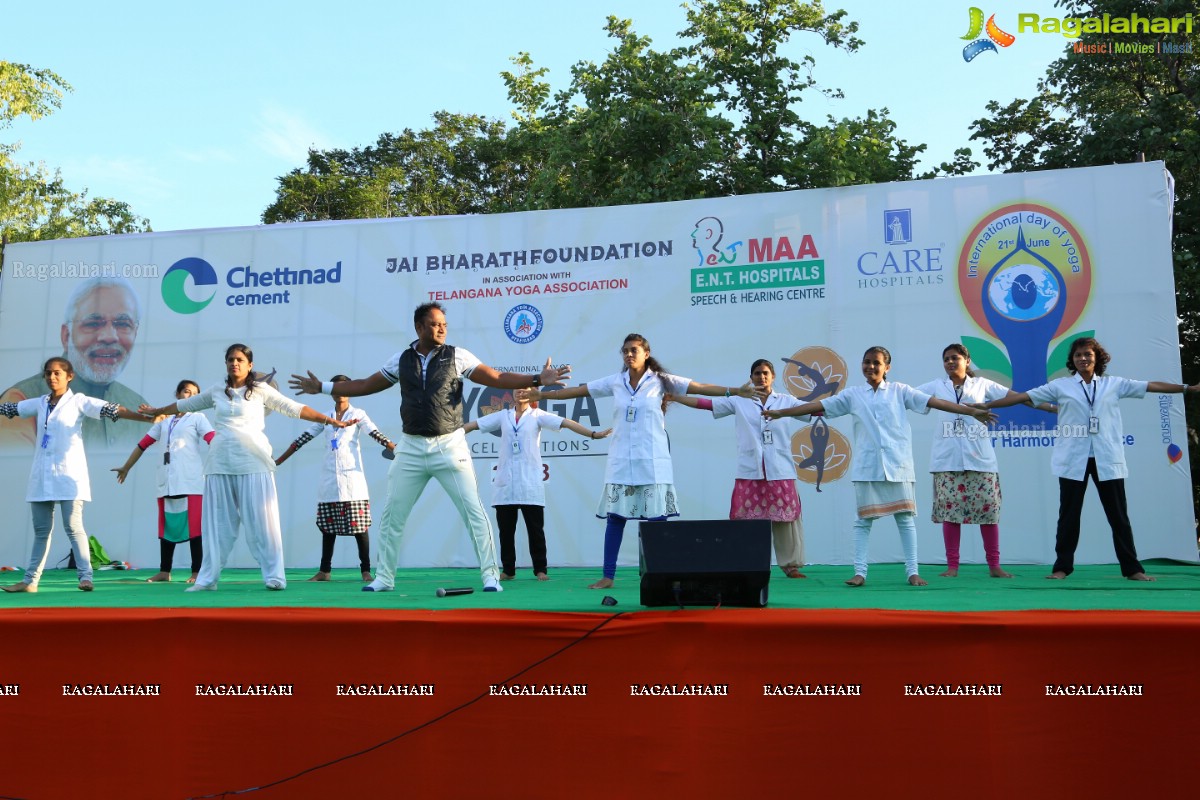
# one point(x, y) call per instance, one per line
point(1092, 110)
point(34, 201)
point(452, 168)
point(638, 127)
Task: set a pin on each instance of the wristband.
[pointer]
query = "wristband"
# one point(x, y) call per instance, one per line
point(326, 387)
point(537, 381)
point(727, 391)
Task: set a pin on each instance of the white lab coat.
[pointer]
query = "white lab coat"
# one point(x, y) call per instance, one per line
point(518, 479)
point(1073, 443)
point(882, 435)
point(183, 438)
point(638, 452)
point(970, 448)
point(59, 470)
point(749, 424)
point(342, 475)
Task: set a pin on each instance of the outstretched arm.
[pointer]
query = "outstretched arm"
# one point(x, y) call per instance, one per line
point(123, 470)
point(982, 414)
point(815, 407)
point(1161, 387)
point(471, 427)
point(311, 384)
point(518, 380)
point(572, 425)
point(1010, 399)
point(691, 402)
point(565, 393)
point(746, 390)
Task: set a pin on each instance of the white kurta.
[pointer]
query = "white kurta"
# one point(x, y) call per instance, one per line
point(1073, 443)
point(241, 446)
point(882, 435)
point(749, 428)
point(638, 452)
point(183, 438)
point(963, 444)
point(519, 480)
point(342, 475)
point(60, 470)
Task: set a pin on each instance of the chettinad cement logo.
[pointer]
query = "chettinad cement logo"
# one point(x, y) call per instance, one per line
point(994, 35)
point(175, 282)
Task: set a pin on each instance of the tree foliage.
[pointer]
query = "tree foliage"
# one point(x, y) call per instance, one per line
point(715, 116)
point(34, 201)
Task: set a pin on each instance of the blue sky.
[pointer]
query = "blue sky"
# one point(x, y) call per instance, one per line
point(191, 112)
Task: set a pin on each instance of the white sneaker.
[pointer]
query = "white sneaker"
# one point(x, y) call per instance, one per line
point(276, 585)
point(376, 586)
point(201, 587)
point(492, 585)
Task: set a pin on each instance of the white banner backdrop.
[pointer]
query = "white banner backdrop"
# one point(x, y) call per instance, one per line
point(1012, 265)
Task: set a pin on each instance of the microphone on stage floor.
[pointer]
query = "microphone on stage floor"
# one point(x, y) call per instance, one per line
point(453, 592)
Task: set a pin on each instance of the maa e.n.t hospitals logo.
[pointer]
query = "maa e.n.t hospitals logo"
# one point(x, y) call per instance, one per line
point(820, 452)
point(185, 271)
point(523, 323)
point(994, 35)
point(731, 270)
point(1024, 276)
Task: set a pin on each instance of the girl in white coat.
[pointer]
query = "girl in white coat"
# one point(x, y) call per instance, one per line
point(517, 484)
point(1089, 445)
point(60, 471)
point(966, 476)
point(180, 482)
point(239, 473)
point(765, 486)
point(343, 501)
point(639, 481)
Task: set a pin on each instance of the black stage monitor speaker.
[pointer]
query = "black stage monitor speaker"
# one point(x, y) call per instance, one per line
point(705, 562)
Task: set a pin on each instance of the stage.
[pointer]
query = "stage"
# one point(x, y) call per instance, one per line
point(988, 686)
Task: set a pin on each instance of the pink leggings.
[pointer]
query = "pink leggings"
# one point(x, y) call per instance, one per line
point(951, 533)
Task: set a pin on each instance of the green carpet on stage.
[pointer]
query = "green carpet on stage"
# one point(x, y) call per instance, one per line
point(1089, 588)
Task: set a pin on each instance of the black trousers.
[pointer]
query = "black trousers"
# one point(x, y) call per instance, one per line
point(1070, 506)
point(166, 553)
point(364, 551)
point(535, 527)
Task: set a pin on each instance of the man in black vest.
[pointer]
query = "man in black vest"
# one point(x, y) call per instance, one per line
point(430, 373)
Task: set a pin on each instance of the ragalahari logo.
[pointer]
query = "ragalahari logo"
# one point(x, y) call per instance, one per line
point(175, 284)
point(995, 36)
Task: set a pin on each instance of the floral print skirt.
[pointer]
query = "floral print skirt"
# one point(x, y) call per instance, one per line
point(969, 498)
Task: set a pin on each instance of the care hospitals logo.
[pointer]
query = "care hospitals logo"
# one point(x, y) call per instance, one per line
point(820, 452)
point(992, 35)
point(184, 273)
point(523, 323)
point(730, 270)
point(899, 264)
point(1024, 276)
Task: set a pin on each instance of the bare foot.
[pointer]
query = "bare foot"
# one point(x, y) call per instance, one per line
point(603, 583)
point(1057, 575)
point(950, 573)
point(541, 576)
point(857, 580)
point(320, 577)
point(192, 577)
point(366, 576)
point(793, 572)
point(1140, 576)
point(917, 580)
point(504, 576)
point(159, 577)
point(998, 572)
point(20, 587)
